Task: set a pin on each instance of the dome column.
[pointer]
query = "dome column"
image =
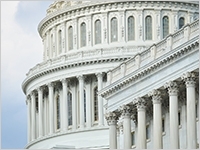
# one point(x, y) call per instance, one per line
point(189, 79)
point(51, 109)
point(33, 116)
point(81, 100)
point(64, 106)
point(41, 126)
point(28, 102)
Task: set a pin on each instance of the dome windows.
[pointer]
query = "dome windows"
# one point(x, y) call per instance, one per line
point(148, 28)
point(165, 26)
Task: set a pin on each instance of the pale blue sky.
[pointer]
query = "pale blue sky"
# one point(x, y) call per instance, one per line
point(21, 49)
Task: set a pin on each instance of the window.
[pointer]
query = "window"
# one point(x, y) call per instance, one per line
point(97, 31)
point(69, 100)
point(163, 125)
point(95, 104)
point(133, 138)
point(197, 110)
point(114, 30)
point(165, 26)
point(60, 41)
point(83, 34)
point(181, 22)
point(147, 132)
point(84, 106)
point(58, 111)
point(131, 28)
point(179, 118)
point(148, 28)
point(70, 38)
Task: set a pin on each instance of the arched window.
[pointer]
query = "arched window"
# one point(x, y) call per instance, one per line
point(84, 106)
point(181, 22)
point(165, 22)
point(148, 28)
point(131, 28)
point(60, 41)
point(70, 38)
point(95, 104)
point(69, 100)
point(58, 111)
point(97, 31)
point(83, 34)
point(114, 30)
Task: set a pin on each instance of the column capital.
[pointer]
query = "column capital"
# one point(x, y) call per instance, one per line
point(80, 77)
point(125, 110)
point(32, 93)
point(64, 81)
point(172, 87)
point(189, 78)
point(111, 118)
point(140, 103)
point(40, 89)
point(156, 96)
point(50, 85)
point(99, 74)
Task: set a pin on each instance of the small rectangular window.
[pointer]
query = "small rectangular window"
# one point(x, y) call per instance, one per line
point(163, 125)
point(147, 132)
point(179, 118)
point(133, 138)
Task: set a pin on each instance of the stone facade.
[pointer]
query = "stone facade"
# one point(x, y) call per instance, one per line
point(112, 75)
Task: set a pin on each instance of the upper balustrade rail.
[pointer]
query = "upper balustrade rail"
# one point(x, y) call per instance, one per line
point(183, 35)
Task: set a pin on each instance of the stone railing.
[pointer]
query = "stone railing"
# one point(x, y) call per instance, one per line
point(171, 42)
point(84, 55)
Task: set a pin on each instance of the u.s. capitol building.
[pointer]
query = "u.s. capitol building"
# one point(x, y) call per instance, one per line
point(116, 74)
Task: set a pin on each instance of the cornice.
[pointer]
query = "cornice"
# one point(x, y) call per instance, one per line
point(150, 68)
point(51, 68)
point(94, 7)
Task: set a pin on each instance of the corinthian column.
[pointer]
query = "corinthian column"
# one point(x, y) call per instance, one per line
point(81, 98)
point(112, 122)
point(41, 126)
point(64, 106)
point(157, 119)
point(173, 113)
point(100, 100)
point(29, 118)
point(51, 109)
point(141, 109)
point(125, 112)
point(189, 79)
point(33, 116)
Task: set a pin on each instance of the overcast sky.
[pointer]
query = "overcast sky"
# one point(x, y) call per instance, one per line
point(21, 49)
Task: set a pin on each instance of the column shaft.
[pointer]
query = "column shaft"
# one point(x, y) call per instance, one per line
point(81, 96)
point(41, 126)
point(29, 119)
point(141, 108)
point(64, 106)
point(191, 117)
point(127, 132)
point(51, 109)
point(157, 119)
point(100, 100)
point(33, 116)
point(88, 105)
point(74, 109)
point(189, 79)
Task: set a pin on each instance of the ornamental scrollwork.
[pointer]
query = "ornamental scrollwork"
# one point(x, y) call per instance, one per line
point(172, 87)
point(156, 96)
point(125, 110)
point(189, 78)
point(111, 118)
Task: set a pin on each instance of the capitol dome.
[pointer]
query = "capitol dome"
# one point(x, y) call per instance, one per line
point(84, 43)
